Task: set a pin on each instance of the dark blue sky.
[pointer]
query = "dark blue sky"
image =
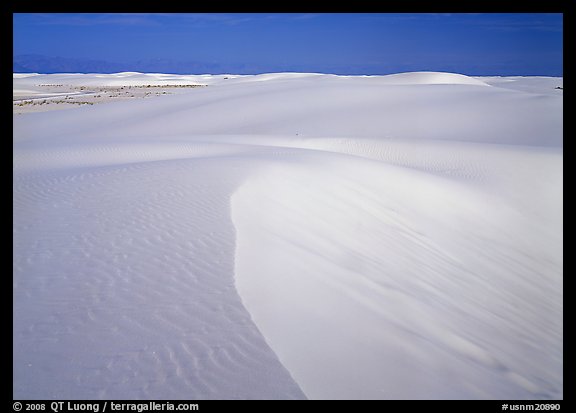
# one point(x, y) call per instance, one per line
point(473, 43)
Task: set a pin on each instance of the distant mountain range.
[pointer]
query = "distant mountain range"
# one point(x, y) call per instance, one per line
point(47, 64)
point(33, 63)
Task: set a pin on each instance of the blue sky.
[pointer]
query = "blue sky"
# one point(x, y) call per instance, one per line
point(358, 43)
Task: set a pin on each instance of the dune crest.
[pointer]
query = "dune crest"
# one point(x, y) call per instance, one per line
point(431, 78)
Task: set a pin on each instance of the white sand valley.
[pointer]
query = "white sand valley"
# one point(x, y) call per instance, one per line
point(290, 236)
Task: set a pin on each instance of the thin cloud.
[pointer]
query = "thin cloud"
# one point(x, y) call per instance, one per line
point(91, 19)
point(131, 19)
point(516, 23)
point(160, 19)
point(307, 16)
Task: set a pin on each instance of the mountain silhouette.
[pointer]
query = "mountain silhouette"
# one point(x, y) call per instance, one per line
point(32, 63)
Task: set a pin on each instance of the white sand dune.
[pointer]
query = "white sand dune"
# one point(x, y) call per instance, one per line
point(431, 78)
point(291, 236)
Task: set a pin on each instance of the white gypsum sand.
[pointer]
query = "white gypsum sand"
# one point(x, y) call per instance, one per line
point(291, 235)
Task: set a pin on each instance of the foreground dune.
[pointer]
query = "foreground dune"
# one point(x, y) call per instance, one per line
point(291, 236)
